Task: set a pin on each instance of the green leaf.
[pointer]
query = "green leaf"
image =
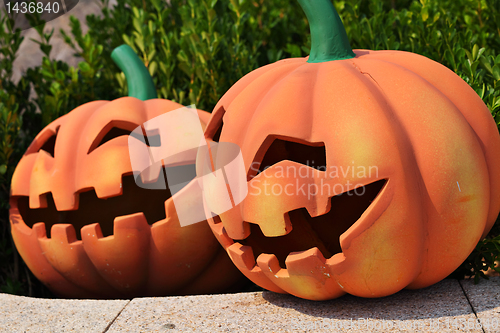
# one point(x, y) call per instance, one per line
point(151, 27)
point(486, 65)
point(156, 4)
point(425, 13)
point(182, 56)
point(475, 51)
point(294, 50)
point(84, 67)
point(60, 75)
point(151, 55)
point(469, 55)
point(496, 104)
point(481, 51)
point(185, 68)
point(152, 68)
point(451, 59)
point(46, 73)
point(129, 42)
point(468, 19)
point(139, 41)
point(3, 169)
point(212, 14)
point(496, 72)
point(437, 16)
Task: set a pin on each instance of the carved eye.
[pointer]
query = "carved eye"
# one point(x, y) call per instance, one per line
point(216, 137)
point(49, 145)
point(46, 142)
point(214, 128)
point(276, 149)
point(151, 140)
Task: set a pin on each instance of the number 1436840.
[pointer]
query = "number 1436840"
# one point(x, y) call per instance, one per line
point(32, 7)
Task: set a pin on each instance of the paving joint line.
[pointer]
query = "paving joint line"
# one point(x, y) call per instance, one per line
point(471, 306)
point(118, 315)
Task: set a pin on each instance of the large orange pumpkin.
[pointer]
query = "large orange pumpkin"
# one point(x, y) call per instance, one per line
point(368, 171)
point(83, 226)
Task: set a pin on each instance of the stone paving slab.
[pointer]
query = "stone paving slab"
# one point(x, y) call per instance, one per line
point(25, 314)
point(485, 300)
point(439, 308)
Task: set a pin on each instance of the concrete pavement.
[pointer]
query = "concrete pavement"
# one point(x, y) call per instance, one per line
point(449, 306)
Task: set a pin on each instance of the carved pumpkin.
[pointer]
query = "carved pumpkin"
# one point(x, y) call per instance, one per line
point(368, 171)
point(84, 227)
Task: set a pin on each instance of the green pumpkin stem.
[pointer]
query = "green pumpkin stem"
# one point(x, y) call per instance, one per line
point(140, 83)
point(328, 37)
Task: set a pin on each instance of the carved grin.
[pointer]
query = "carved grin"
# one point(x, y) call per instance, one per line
point(322, 231)
point(91, 209)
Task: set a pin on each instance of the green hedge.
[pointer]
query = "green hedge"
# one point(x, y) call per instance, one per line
point(196, 49)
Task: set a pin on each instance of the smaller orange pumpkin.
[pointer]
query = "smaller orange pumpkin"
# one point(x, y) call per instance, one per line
point(83, 226)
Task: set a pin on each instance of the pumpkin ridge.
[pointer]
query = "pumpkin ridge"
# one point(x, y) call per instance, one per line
point(186, 284)
point(260, 112)
point(391, 115)
point(475, 161)
point(247, 83)
point(416, 75)
point(243, 82)
point(424, 191)
point(198, 281)
point(261, 96)
point(21, 233)
point(485, 131)
point(456, 108)
point(61, 241)
point(312, 100)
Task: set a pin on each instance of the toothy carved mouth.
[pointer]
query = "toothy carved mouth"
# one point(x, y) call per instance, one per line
point(91, 209)
point(322, 231)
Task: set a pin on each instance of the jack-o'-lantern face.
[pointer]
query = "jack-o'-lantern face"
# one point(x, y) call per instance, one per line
point(78, 168)
point(86, 229)
point(367, 173)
